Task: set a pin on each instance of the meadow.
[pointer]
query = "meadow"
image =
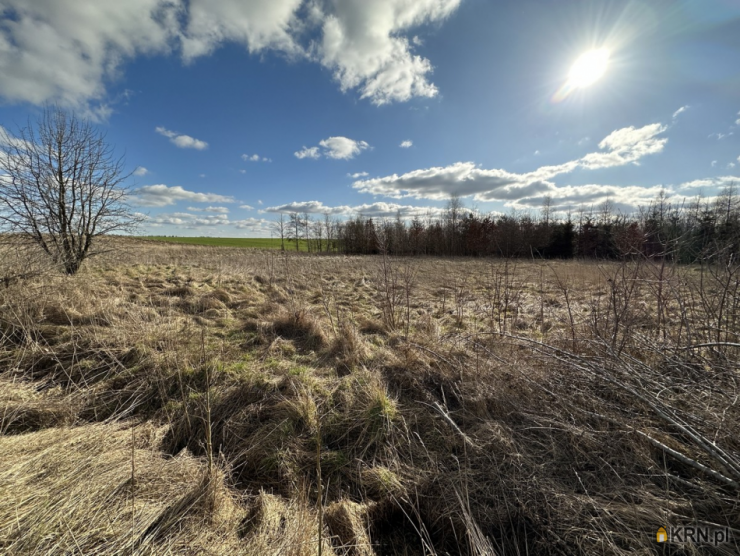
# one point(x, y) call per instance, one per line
point(245, 242)
point(184, 399)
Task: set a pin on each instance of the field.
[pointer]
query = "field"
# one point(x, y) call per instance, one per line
point(245, 242)
point(182, 399)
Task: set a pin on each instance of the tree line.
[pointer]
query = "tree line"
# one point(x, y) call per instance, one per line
point(682, 232)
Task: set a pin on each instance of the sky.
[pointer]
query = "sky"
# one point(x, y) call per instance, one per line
point(229, 112)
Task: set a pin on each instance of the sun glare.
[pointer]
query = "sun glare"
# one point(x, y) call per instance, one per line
point(588, 68)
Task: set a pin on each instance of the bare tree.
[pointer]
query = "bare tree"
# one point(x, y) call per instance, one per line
point(306, 219)
point(295, 228)
point(318, 233)
point(60, 187)
point(328, 228)
point(279, 229)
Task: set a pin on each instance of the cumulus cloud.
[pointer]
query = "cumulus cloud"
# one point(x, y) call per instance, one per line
point(187, 220)
point(570, 196)
point(310, 207)
point(339, 148)
point(358, 175)
point(255, 158)
point(365, 45)
point(621, 147)
point(10, 140)
point(182, 141)
point(307, 152)
point(342, 147)
point(65, 50)
point(407, 144)
point(219, 210)
point(141, 171)
point(680, 111)
point(375, 210)
point(246, 207)
point(161, 196)
point(625, 146)
point(68, 52)
point(256, 225)
point(719, 181)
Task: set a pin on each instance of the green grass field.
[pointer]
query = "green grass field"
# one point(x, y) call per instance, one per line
point(253, 242)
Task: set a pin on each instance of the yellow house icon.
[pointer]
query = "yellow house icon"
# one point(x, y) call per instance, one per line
point(662, 535)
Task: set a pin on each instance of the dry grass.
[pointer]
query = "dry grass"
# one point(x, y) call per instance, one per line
point(451, 406)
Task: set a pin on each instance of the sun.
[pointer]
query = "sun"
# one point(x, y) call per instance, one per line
point(588, 68)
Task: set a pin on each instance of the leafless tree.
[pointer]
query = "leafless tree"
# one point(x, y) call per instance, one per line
point(317, 226)
point(279, 228)
point(328, 228)
point(61, 187)
point(294, 229)
point(306, 219)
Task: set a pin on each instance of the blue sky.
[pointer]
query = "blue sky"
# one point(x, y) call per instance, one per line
point(233, 110)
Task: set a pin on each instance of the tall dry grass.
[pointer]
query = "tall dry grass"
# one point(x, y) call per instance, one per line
point(174, 399)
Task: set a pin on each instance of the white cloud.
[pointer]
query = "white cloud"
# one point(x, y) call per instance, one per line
point(375, 210)
point(306, 152)
point(259, 25)
point(720, 181)
point(731, 165)
point(364, 43)
point(65, 50)
point(407, 144)
point(584, 141)
point(340, 148)
point(162, 195)
point(69, 50)
point(10, 140)
point(626, 145)
point(246, 207)
point(219, 210)
point(311, 207)
point(621, 147)
point(141, 171)
point(187, 220)
point(182, 141)
point(537, 153)
point(680, 111)
point(714, 163)
point(721, 136)
point(358, 175)
point(257, 225)
point(620, 197)
point(255, 158)
point(259, 201)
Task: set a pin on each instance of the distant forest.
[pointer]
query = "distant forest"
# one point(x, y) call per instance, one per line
point(683, 233)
